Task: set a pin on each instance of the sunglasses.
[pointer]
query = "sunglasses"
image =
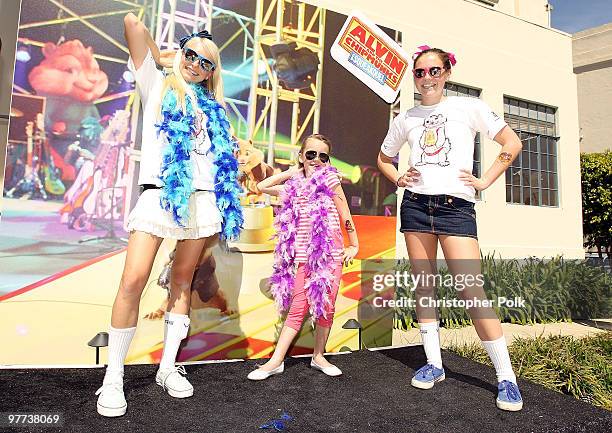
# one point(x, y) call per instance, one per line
point(434, 72)
point(312, 154)
point(192, 56)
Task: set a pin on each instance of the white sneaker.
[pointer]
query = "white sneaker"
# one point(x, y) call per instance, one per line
point(260, 374)
point(330, 371)
point(111, 400)
point(174, 381)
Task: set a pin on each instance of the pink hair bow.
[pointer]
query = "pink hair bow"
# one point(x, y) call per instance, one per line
point(451, 56)
point(419, 50)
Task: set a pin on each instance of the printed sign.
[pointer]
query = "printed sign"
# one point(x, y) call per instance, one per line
point(372, 56)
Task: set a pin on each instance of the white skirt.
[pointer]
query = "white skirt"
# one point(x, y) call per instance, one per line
point(149, 217)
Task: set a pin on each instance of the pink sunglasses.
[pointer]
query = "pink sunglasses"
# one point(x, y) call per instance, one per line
point(434, 72)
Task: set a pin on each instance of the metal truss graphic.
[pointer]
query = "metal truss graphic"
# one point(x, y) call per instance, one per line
point(194, 15)
point(304, 25)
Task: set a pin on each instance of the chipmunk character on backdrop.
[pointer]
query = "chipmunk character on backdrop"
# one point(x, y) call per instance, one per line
point(205, 289)
point(253, 169)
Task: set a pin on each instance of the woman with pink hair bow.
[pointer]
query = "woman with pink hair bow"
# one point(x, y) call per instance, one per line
point(438, 206)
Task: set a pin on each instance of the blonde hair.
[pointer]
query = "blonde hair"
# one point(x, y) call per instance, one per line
point(215, 83)
point(176, 82)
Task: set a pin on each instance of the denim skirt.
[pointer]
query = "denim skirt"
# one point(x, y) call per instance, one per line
point(437, 214)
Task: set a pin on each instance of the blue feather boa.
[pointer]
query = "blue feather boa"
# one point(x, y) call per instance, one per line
point(176, 170)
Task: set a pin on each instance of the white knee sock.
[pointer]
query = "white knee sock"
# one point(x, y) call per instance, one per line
point(430, 335)
point(118, 345)
point(498, 352)
point(176, 328)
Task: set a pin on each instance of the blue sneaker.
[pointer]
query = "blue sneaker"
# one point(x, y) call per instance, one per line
point(509, 396)
point(426, 376)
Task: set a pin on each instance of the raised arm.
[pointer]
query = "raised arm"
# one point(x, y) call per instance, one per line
point(139, 40)
point(273, 184)
point(347, 221)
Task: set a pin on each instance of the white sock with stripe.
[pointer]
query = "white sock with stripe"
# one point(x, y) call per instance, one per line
point(176, 328)
point(430, 334)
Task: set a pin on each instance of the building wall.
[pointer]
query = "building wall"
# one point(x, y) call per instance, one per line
point(534, 11)
point(495, 53)
point(9, 20)
point(593, 67)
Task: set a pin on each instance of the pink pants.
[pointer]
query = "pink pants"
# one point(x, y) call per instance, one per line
point(299, 302)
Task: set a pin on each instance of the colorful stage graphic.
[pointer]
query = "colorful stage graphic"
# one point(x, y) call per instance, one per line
point(73, 160)
point(74, 305)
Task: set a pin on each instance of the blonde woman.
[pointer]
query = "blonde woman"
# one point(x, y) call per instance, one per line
point(188, 176)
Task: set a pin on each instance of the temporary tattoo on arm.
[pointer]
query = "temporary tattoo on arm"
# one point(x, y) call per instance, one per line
point(505, 158)
point(349, 226)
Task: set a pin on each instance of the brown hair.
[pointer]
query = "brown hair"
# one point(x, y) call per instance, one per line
point(443, 55)
point(319, 137)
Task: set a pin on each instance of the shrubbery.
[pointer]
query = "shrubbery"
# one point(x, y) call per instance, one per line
point(581, 367)
point(554, 290)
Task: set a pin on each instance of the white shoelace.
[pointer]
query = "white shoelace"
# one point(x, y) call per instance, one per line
point(180, 369)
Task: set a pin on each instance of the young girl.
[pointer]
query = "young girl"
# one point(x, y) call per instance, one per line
point(188, 173)
point(309, 253)
point(438, 205)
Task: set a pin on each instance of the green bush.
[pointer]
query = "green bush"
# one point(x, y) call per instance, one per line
point(596, 182)
point(590, 291)
point(554, 290)
point(581, 368)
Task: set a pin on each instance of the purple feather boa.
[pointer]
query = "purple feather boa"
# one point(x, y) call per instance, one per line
point(319, 268)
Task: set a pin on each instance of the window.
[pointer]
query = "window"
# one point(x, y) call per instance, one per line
point(532, 177)
point(452, 89)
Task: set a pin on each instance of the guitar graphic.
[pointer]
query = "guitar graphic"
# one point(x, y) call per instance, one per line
point(85, 201)
point(51, 176)
point(31, 182)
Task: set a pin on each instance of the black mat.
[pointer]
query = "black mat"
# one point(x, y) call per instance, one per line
point(373, 395)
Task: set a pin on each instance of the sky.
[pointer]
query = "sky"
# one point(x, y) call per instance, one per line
point(572, 16)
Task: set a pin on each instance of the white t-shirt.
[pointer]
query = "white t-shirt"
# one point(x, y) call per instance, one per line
point(441, 139)
point(149, 83)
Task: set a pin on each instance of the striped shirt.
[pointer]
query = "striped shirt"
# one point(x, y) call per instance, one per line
point(305, 225)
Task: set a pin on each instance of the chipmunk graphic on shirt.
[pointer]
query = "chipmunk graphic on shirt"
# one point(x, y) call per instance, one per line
point(434, 142)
